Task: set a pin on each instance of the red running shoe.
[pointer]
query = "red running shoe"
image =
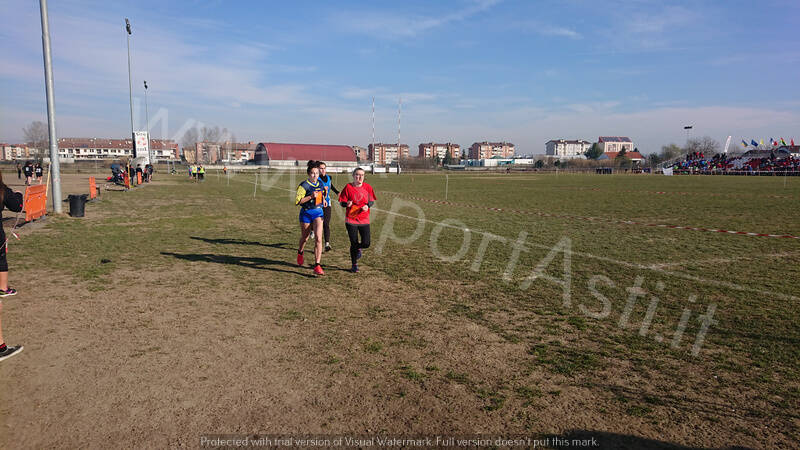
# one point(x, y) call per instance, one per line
point(300, 259)
point(318, 270)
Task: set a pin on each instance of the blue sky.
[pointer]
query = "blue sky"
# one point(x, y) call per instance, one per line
point(467, 70)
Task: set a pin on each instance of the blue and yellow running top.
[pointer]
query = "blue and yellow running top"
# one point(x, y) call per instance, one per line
point(317, 191)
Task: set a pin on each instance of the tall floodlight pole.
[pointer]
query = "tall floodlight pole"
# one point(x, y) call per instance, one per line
point(373, 130)
point(688, 129)
point(147, 118)
point(130, 85)
point(55, 167)
point(399, 149)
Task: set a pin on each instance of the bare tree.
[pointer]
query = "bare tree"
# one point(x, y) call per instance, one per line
point(209, 134)
point(705, 145)
point(37, 136)
point(188, 142)
point(228, 139)
point(210, 137)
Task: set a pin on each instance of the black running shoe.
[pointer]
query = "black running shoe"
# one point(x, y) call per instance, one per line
point(10, 351)
point(8, 292)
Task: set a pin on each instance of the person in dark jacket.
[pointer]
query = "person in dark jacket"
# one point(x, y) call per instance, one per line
point(13, 201)
point(38, 172)
point(327, 183)
point(28, 169)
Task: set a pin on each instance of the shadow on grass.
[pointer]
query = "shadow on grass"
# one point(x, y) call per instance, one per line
point(244, 261)
point(582, 439)
point(280, 245)
point(712, 408)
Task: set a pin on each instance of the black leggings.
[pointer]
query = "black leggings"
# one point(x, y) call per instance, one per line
point(353, 231)
point(326, 223)
point(3, 261)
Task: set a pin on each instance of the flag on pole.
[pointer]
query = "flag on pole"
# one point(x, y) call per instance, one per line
point(783, 142)
point(762, 142)
point(744, 144)
point(755, 144)
point(771, 142)
point(792, 142)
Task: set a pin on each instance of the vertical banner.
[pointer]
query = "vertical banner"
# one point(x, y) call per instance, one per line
point(727, 144)
point(141, 145)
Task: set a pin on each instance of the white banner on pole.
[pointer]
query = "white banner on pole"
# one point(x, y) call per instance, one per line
point(727, 144)
point(142, 143)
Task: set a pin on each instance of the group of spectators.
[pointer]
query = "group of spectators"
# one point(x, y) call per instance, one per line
point(146, 172)
point(33, 172)
point(720, 163)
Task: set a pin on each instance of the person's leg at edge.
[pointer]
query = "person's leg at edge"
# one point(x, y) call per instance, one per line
point(326, 226)
point(305, 229)
point(352, 233)
point(2, 342)
point(363, 230)
point(4, 286)
point(318, 244)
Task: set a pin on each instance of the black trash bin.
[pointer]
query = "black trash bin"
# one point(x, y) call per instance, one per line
point(77, 204)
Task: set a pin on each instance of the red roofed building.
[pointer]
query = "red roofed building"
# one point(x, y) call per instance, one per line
point(633, 156)
point(275, 154)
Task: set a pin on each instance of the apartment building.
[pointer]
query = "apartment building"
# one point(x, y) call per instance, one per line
point(567, 148)
point(387, 153)
point(487, 150)
point(432, 150)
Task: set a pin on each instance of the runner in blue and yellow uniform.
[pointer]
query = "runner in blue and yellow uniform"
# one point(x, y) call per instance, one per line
point(327, 183)
point(311, 198)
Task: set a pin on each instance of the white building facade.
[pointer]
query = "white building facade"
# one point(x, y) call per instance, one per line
point(611, 144)
point(566, 148)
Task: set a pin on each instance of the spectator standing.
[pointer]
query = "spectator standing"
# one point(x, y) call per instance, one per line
point(13, 201)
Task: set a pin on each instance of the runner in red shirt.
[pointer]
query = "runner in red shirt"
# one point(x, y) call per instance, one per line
point(357, 198)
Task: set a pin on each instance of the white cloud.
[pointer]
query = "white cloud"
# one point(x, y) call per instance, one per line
point(90, 71)
point(394, 25)
point(667, 19)
point(550, 30)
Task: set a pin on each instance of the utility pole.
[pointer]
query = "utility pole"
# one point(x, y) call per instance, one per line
point(399, 149)
point(147, 127)
point(130, 85)
point(55, 163)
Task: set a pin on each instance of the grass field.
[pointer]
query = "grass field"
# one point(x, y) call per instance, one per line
point(539, 305)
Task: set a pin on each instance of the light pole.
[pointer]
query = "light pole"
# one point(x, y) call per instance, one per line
point(688, 129)
point(399, 148)
point(147, 118)
point(130, 85)
point(55, 166)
